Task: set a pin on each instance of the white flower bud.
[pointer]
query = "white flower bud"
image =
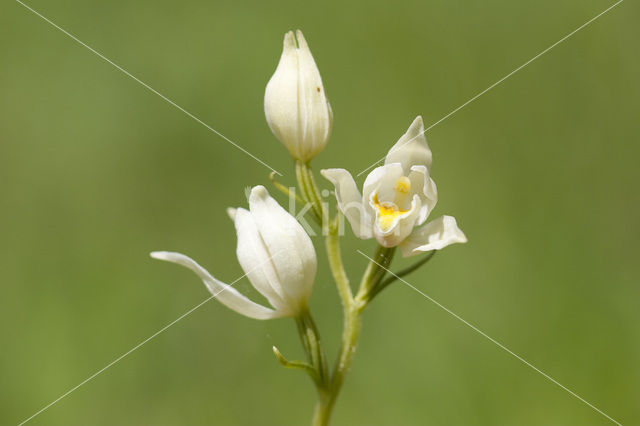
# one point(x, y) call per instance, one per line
point(295, 103)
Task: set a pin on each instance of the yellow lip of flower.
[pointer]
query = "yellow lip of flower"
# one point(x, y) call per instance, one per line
point(388, 212)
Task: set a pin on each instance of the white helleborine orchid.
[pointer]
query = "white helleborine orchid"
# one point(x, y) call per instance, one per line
point(276, 255)
point(295, 103)
point(397, 197)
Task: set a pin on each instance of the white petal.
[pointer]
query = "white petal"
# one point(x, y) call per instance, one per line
point(296, 265)
point(435, 235)
point(411, 149)
point(226, 294)
point(350, 201)
point(425, 187)
point(257, 263)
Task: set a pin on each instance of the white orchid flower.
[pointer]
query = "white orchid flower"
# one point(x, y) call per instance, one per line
point(397, 197)
point(276, 255)
point(295, 103)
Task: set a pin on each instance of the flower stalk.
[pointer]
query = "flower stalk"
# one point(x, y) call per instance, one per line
point(312, 344)
point(352, 306)
point(310, 192)
point(376, 270)
point(397, 275)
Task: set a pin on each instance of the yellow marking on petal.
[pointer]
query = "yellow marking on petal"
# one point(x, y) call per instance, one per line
point(387, 213)
point(403, 185)
point(402, 189)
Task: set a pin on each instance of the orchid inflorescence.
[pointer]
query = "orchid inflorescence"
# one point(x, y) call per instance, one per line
point(275, 250)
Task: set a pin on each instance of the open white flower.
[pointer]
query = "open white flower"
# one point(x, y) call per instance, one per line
point(396, 198)
point(276, 255)
point(295, 103)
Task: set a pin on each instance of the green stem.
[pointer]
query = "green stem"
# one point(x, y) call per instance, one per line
point(327, 398)
point(310, 338)
point(332, 242)
point(280, 187)
point(376, 270)
point(353, 308)
point(324, 406)
point(329, 387)
point(327, 395)
point(396, 275)
point(310, 191)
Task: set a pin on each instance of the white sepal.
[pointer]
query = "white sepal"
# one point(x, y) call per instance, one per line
point(350, 201)
point(435, 235)
point(411, 149)
point(226, 294)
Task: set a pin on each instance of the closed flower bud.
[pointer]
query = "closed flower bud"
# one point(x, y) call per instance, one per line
point(295, 103)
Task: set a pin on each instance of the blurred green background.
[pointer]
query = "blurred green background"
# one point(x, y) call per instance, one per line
point(96, 172)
